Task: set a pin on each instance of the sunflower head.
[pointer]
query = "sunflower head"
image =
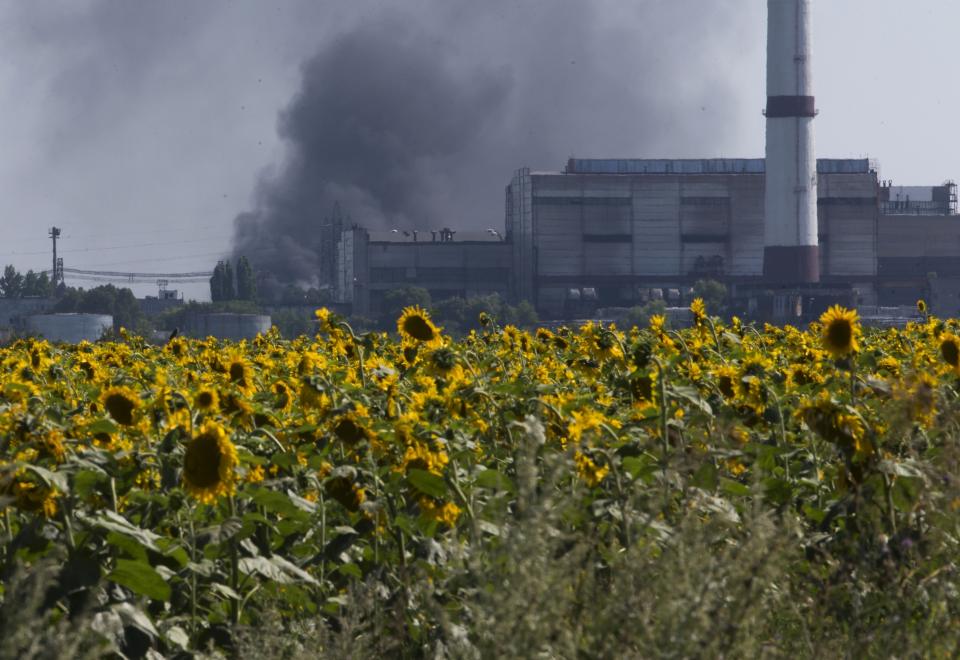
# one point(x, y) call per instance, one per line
point(344, 490)
point(206, 399)
point(122, 404)
point(922, 306)
point(209, 463)
point(349, 429)
point(840, 331)
point(239, 371)
point(415, 324)
point(699, 309)
point(950, 350)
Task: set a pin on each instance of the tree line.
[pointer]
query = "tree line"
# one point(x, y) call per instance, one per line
point(225, 286)
point(14, 284)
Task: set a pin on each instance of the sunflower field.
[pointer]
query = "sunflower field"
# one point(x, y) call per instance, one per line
point(723, 489)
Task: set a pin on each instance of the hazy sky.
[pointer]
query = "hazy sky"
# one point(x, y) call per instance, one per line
point(144, 128)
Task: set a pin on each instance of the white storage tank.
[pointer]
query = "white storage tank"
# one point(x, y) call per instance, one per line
point(69, 328)
point(226, 325)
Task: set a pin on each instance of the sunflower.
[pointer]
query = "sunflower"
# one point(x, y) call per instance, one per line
point(588, 471)
point(283, 396)
point(206, 398)
point(122, 403)
point(209, 463)
point(323, 315)
point(950, 350)
point(349, 429)
point(241, 374)
point(33, 498)
point(727, 380)
point(840, 331)
point(415, 324)
point(922, 306)
point(699, 309)
point(345, 491)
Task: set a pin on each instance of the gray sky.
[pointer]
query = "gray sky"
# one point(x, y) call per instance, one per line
point(144, 128)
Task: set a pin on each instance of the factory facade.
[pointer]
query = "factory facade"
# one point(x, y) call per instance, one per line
point(613, 229)
point(609, 233)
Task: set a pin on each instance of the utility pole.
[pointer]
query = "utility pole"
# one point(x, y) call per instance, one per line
point(57, 274)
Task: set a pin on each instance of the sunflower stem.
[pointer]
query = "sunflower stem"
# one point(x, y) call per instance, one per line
point(234, 567)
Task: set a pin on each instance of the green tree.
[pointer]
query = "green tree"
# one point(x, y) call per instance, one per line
point(246, 280)
point(229, 291)
point(460, 316)
point(640, 316)
point(11, 283)
point(121, 304)
point(395, 300)
point(714, 296)
point(218, 288)
point(37, 285)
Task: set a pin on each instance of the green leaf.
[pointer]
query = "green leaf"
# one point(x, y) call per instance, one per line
point(639, 466)
point(101, 426)
point(427, 483)
point(900, 469)
point(140, 578)
point(275, 568)
point(128, 545)
point(224, 591)
point(495, 480)
point(114, 522)
point(178, 636)
point(778, 491)
point(222, 532)
point(57, 480)
point(301, 503)
point(131, 616)
point(735, 488)
point(277, 502)
point(706, 477)
point(691, 396)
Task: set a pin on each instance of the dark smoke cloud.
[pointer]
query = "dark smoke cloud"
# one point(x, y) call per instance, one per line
point(422, 127)
point(378, 107)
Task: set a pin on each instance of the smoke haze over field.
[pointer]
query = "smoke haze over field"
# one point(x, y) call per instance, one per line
point(417, 119)
point(144, 128)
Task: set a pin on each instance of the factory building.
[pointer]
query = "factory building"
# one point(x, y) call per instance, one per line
point(445, 262)
point(789, 234)
point(919, 246)
point(613, 229)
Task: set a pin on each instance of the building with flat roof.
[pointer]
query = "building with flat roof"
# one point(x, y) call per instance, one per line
point(445, 262)
point(616, 228)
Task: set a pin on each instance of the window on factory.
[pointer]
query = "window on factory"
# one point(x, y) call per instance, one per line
point(388, 274)
point(585, 201)
point(608, 238)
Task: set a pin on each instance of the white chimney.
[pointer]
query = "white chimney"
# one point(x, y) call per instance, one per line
point(791, 252)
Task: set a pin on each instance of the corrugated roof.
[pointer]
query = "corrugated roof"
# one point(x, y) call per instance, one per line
point(702, 166)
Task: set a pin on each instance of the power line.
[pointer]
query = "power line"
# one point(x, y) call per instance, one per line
point(115, 273)
point(105, 248)
point(166, 230)
point(133, 279)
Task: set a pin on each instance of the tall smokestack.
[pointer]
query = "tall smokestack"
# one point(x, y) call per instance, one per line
point(791, 251)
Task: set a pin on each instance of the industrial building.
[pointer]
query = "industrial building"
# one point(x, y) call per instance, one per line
point(616, 228)
point(788, 233)
point(445, 262)
point(605, 233)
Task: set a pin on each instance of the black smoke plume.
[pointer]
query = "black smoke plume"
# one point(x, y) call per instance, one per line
point(377, 109)
point(422, 127)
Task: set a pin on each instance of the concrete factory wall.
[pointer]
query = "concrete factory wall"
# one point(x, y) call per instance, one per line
point(69, 328)
point(919, 257)
point(669, 223)
point(225, 326)
point(445, 269)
